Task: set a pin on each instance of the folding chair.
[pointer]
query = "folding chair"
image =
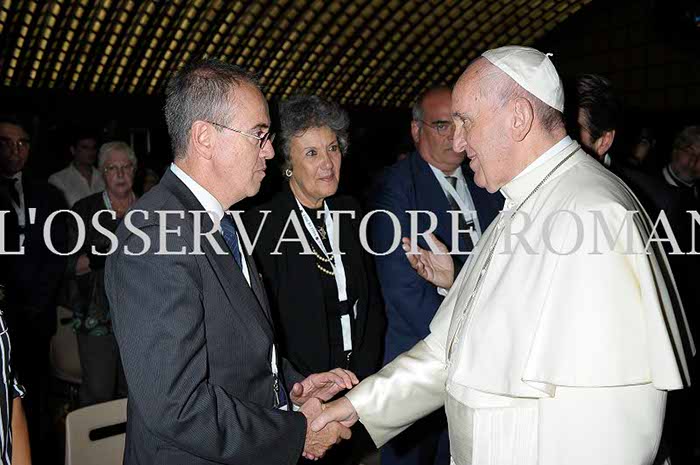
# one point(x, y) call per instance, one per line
point(95, 434)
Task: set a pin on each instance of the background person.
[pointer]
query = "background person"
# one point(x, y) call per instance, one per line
point(328, 307)
point(435, 178)
point(80, 178)
point(103, 376)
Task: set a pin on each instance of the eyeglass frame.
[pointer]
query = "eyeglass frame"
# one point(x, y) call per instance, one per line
point(117, 169)
point(262, 140)
point(21, 144)
point(442, 133)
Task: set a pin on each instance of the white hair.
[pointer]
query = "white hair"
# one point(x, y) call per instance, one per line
point(110, 147)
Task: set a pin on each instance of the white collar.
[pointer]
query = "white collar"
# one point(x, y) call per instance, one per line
point(542, 159)
point(456, 173)
point(673, 179)
point(208, 201)
point(93, 171)
point(607, 160)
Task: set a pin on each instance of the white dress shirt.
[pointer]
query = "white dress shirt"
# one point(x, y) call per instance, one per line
point(74, 185)
point(212, 206)
point(464, 195)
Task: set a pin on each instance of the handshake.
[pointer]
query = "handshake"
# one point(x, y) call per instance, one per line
point(326, 424)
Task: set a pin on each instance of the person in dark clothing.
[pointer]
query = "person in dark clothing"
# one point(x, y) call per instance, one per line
point(31, 274)
point(103, 376)
point(323, 291)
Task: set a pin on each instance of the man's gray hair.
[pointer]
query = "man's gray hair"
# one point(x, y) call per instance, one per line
point(200, 91)
point(109, 147)
point(417, 111)
point(688, 137)
point(303, 112)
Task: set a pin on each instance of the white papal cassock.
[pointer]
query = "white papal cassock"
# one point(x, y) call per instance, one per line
point(553, 347)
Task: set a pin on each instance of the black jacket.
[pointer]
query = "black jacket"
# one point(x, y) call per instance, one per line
point(33, 279)
point(294, 286)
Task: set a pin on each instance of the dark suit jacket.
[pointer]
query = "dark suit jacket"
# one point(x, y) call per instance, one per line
point(195, 342)
point(411, 302)
point(296, 294)
point(34, 278)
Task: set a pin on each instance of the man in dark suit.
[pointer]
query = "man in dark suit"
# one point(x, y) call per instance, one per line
point(190, 314)
point(434, 179)
point(32, 276)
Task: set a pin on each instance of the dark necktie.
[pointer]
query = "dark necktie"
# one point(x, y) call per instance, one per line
point(10, 185)
point(462, 222)
point(228, 228)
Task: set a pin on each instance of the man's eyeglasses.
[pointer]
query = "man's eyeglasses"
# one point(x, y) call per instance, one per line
point(6, 144)
point(268, 136)
point(442, 127)
point(112, 170)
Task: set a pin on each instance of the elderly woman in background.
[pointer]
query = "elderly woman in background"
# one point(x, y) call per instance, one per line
point(328, 308)
point(103, 378)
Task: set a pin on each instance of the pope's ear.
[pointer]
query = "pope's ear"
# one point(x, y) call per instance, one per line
point(202, 139)
point(523, 115)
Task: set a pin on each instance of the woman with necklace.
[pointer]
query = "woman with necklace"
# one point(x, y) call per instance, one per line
point(325, 297)
point(103, 378)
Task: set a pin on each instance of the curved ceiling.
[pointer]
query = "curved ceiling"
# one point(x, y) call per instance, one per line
point(362, 52)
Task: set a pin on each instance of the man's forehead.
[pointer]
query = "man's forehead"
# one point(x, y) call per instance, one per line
point(249, 105)
point(437, 102)
point(12, 130)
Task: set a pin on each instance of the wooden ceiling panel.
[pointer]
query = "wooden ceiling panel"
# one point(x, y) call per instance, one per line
point(359, 52)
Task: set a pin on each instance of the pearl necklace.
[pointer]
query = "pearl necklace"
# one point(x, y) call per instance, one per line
point(323, 260)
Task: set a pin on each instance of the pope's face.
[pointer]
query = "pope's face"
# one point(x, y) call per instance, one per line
point(481, 127)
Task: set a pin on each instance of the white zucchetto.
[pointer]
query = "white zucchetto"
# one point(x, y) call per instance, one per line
point(532, 70)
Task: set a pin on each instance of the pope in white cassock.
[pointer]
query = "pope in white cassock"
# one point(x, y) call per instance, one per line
point(559, 339)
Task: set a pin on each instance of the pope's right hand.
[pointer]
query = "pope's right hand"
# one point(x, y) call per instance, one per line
point(340, 410)
point(318, 441)
point(436, 268)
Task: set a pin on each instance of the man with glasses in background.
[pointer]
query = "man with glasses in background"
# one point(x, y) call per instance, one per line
point(32, 276)
point(432, 178)
point(192, 322)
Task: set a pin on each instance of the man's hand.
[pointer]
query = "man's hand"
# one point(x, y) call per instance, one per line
point(323, 385)
point(437, 269)
point(340, 410)
point(318, 442)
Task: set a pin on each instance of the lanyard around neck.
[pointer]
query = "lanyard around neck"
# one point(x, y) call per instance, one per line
point(337, 262)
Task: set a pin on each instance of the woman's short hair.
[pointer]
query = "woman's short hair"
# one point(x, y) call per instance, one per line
point(303, 112)
point(106, 149)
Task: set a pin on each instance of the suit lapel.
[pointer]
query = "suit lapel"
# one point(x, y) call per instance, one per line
point(257, 287)
point(237, 290)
